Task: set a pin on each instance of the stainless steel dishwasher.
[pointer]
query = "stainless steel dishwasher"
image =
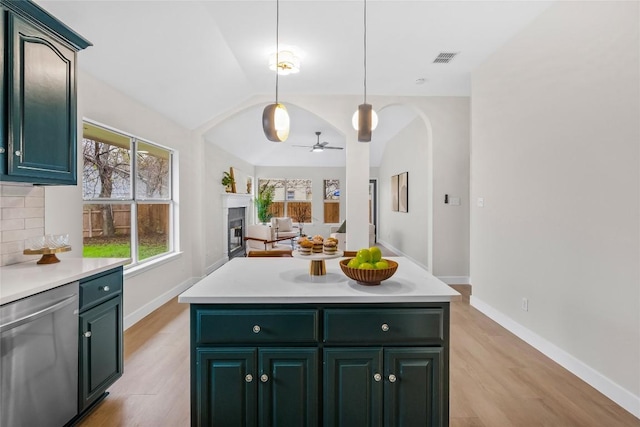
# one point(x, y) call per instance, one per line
point(39, 359)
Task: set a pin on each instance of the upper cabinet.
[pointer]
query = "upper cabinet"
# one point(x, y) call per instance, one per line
point(39, 123)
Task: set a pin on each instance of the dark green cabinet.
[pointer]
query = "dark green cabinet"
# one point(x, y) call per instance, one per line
point(101, 331)
point(39, 125)
point(392, 387)
point(351, 365)
point(257, 387)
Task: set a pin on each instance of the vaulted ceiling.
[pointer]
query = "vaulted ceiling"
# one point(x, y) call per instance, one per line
point(195, 60)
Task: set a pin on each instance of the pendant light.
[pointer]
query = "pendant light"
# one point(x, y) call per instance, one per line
point(275, 119)
point(365, 119)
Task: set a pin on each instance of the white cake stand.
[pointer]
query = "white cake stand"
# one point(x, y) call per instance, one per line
point(317, 266)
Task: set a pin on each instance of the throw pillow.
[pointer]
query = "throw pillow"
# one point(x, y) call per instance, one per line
point(285, 224)
point(343, 227)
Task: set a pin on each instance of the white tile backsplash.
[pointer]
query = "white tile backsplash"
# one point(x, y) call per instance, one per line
point(21, 217)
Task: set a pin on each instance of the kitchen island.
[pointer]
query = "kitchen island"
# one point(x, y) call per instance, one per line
point(272, 345)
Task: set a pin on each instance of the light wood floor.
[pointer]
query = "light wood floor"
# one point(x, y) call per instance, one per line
point(496, 379)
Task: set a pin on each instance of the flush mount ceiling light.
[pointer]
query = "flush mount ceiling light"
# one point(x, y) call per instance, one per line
point(288, 62)
point(365, 119)
point(275, 118)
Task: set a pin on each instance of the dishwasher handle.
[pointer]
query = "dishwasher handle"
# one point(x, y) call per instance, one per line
point(33, 316)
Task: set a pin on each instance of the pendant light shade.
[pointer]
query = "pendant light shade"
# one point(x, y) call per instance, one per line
point(369, 116)
point(275, 122)
point(365, 120)
point(275, 118)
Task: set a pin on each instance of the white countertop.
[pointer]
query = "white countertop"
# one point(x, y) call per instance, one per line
point(287, 280)
point(28, 278)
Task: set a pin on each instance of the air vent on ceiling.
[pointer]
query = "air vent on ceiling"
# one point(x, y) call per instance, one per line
point(444, 57)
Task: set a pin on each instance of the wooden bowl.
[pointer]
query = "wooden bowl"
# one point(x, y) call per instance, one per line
point(368, 277)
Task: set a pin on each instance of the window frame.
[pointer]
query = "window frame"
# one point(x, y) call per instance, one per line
point(133, 200)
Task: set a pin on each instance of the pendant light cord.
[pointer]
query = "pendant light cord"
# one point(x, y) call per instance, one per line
point(277, 45)
point(365, 51)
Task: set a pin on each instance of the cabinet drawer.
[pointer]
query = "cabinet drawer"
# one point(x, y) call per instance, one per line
point(256, 326)
point(383, 326)
point(96, 289)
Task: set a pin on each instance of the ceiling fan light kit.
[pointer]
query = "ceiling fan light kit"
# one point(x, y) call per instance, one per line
point(275, 118)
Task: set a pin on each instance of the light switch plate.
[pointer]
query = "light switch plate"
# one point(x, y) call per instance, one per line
point(480, 202)
point(455, 201)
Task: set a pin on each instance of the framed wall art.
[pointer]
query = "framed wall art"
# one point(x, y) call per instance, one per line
point(403, 192)
point(394, 193)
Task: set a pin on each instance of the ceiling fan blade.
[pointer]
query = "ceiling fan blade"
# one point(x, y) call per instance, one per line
point(323, 143)
point(334, 148)
point(305, 146)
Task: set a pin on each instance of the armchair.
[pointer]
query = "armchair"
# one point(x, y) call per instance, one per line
point(284, 228)
point(262, 238)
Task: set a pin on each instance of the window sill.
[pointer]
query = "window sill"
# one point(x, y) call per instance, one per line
point(146, 266)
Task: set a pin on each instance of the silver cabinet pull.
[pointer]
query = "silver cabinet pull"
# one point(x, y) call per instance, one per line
point(87, 334)
point(256, 329)
point(384, 327)
point(104, 288)
point(1, 150)
point(392, 378)
point(377, 377)
point(248, 378)
point(18, 153)
point(264, 378)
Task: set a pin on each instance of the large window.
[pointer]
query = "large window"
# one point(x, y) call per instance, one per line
point(291, 197)
point(128, 199)
point(331, 201)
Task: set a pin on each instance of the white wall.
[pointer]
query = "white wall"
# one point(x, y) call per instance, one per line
point(434, 149)
point(145, 291)
point(216, 162)
point(555, 155)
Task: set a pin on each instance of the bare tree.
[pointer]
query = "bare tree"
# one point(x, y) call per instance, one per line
point(105, 166)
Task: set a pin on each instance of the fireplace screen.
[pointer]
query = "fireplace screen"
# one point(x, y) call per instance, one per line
point(236, 232)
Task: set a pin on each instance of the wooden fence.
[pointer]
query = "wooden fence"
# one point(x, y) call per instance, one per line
point(151, 219)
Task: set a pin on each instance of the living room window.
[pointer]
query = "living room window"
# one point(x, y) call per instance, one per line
point(292, 198)
point(331, 201)
point(128, 207)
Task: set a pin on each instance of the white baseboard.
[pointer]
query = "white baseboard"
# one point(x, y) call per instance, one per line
point(604, 385)
point(216, 265)
point(455, 280)
point(154, 304)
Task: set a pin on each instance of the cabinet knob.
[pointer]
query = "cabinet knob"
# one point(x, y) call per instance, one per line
point(377, 377)
point(248, 378)
point(256, 329)
point(1, 150)
point(384, 327)
point(264, 378)
point(18, 153)
point(104, 288)
point(392, 378)
point(87, 334)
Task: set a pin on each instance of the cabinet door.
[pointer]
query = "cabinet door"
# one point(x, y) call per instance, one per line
point(226, 388)
point(414, 392)
point(289, 387)
point(41, 98)
point(3, 124)
point(101, 349)
point(353, 387)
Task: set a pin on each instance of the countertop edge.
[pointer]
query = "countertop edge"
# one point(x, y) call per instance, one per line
point(35, 278)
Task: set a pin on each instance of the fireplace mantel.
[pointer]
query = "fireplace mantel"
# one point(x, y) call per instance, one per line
point(236, 200)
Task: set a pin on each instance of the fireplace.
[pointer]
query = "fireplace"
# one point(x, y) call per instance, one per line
point(235, 232)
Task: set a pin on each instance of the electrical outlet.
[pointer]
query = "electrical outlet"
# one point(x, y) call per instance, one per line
point(525, 304)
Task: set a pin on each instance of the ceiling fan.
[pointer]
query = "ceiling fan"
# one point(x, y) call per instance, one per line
point(319, 146)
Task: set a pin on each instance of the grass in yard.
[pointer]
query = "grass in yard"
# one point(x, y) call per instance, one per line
point(121, 250)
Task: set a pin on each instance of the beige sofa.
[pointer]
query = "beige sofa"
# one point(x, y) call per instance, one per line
point(342, 244)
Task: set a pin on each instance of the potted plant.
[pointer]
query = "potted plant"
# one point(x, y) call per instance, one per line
point(264, 199)
point(228, 181)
